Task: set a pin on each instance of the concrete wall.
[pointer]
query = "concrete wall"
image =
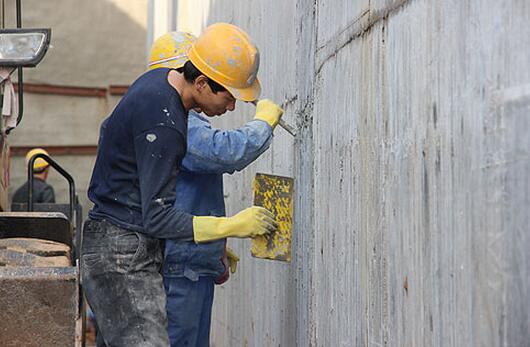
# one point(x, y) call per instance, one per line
point(95, 44)
point(412, 169)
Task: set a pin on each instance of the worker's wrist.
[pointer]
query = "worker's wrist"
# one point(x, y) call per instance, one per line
point(206, 228)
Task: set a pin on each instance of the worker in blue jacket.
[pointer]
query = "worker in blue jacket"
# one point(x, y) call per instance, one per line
point(190, 270)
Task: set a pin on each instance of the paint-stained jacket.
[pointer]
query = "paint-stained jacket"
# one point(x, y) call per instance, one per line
point(140, 150)
point(210, 153)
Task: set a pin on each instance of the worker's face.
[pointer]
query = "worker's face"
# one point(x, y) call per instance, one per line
point(210, 103)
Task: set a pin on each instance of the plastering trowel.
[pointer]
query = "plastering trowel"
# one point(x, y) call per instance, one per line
point(275, 193)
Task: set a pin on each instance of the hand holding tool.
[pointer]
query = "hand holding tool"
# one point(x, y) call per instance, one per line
point(280, 121)
point(269, 112)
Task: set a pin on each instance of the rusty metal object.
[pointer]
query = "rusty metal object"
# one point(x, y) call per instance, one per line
point(49, 89)
point(38, 306)
point(275, 193)
point(39, 286)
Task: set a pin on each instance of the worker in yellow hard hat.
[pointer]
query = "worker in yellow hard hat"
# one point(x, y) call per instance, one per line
point(42, 191)
point(170, 50)
point(141, 147)
point(191, 270)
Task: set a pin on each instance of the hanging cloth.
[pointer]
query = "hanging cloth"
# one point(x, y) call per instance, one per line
point(10, 102)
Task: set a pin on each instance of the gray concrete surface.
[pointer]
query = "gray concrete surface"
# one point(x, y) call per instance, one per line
point(412, 174)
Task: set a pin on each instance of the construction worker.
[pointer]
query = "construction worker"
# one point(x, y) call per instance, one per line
point(190, 270)
point(42, 191)
point(141, 146)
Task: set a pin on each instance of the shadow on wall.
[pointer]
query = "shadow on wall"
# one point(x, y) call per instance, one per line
point(95, 43)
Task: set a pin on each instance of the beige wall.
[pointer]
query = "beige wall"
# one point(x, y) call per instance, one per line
point(95, 43)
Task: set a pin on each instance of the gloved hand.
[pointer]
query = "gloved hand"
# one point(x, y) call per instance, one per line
point(250, 222)
point(268, 111)
point(232, 260)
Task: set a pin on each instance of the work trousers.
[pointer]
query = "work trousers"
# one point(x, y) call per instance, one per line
point(123, 286)
point(189, 310)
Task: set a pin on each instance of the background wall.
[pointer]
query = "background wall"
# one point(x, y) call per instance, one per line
point(411, 166)
point(96, 46)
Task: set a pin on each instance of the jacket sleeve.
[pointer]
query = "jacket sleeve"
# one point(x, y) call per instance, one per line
point(158, 152)
point(215, 151)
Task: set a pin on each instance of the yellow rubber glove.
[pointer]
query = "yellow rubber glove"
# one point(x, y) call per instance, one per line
point(268, 111)
point(232, 260)
point(250, 222)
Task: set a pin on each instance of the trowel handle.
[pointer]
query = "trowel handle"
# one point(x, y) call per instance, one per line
point(281, 122)
point(287, 127)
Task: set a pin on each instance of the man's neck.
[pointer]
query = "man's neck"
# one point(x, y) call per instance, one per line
point(177, 81)
point(40, 177)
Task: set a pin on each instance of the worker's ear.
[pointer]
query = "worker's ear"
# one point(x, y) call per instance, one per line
point(201, 83)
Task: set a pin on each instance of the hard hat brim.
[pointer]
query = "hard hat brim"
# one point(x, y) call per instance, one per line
point(251, 93)
point(172, 63)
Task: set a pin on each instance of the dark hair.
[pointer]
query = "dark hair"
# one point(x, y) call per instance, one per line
point(191, 73)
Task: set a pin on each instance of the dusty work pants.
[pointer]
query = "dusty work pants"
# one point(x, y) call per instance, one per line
point(123, 286)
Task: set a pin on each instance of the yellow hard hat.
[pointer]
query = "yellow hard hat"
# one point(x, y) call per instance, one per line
point(170, 50)
point(225, 54)
point(39, 163)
